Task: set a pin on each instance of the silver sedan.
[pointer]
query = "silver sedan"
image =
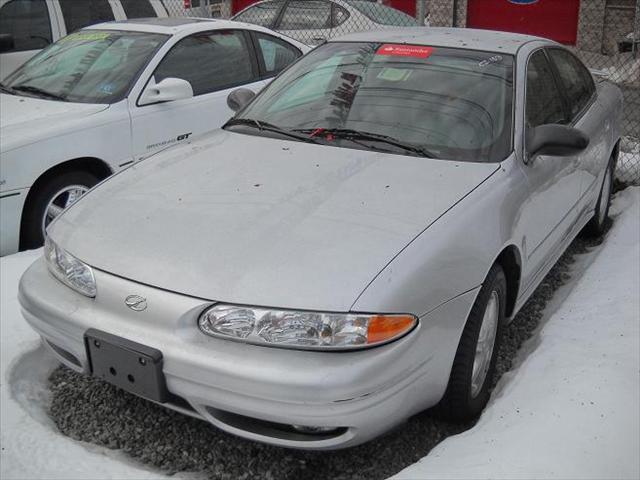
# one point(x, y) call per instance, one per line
point(346, 251)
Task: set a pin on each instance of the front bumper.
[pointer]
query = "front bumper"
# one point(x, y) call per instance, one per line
point(251, 390)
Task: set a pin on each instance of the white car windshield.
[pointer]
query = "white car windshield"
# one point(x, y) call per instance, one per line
point(410, 99)
point(89, 66)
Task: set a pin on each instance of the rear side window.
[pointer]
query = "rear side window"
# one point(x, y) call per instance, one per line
point(576, 79)
point(306, 15)
point(87, 12)
point(263, 14)
point(275, 54)
point(138, 8)
point(544, 102)
point(209, 61)
point(27, 21)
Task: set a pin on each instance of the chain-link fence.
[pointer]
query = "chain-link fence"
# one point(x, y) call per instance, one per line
point(605, 34)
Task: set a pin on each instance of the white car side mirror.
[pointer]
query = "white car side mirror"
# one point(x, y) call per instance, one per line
point(167, 90)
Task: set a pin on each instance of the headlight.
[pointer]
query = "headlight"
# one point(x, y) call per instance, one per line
point(300, 329)
point(69, 270)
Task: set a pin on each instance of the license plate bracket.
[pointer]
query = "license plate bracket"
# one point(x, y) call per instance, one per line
point(131, 366)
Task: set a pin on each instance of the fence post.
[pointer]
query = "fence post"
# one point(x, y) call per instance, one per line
point(421, 10)
point(636, 31)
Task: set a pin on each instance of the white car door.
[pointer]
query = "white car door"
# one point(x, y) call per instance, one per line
point(25, 29)
point(214, 63)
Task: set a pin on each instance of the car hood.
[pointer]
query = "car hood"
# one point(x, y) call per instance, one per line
point(24, 120)
point(261, 221)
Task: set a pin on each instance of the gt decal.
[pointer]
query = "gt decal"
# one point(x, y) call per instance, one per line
point(179, 138)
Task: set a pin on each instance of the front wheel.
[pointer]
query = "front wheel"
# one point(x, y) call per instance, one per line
point(475, 361)
point(48, 201)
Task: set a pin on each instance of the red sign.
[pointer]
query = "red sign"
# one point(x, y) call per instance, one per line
point(398, 50)
point(555, 19)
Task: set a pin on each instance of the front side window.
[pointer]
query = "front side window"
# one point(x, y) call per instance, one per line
point(90, 66)
point(544, 102)
point(78, 15)
point(306, 15)
point(263, 14)
point(426, 101)
point(27, 22)
point(576, 79)
point(276, 54)
point(209, 61)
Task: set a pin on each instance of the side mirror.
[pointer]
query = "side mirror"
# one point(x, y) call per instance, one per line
point(6, 42)
point(557, 140)
point(239, 98)
point(167, 90)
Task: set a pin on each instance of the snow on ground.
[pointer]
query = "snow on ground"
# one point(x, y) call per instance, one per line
point(570, 410)
point(31, 447)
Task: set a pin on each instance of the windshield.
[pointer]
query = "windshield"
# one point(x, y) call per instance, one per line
point(384, 15)
point(89, 66)
point(441, 102)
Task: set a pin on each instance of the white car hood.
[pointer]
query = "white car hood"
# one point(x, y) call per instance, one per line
point(25, 120)
point(261, 221)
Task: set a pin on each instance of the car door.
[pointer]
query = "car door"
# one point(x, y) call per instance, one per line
point(554, 182)
point(25, 29)
point(308, 21)
point(586, 115)
point(214, 63)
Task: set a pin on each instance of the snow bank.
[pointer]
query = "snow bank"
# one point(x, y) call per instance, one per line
point(31, 446)
point(570, 410)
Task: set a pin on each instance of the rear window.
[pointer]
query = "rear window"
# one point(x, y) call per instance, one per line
point(384, 15)
point(78, 15)
point(138, 8)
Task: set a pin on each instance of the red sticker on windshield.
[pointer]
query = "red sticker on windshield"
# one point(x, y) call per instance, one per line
point(396, 50)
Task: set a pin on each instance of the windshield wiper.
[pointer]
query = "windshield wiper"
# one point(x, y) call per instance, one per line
point(38, 92)
point(268, 127)
point(6, 89)
point(354, 135)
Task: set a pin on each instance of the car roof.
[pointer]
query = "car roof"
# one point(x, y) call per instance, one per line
point(166, 25)
point(467, 38)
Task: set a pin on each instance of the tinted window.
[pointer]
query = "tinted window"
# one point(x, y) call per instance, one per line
point(544, 103)
point(306, 15)
point(91, 66)
point(138, 8)
point(88, 12)
point(575, 78)
point(276, 54)
point(28, 22)
point(263, 14)
point(209, 61)
point(448, 103)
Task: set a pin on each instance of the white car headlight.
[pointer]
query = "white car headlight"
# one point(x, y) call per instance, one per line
point(69, 270)
point(302, 329)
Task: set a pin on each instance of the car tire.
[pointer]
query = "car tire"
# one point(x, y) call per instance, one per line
point(468, 390)
point(53, 191)
point(598, 223)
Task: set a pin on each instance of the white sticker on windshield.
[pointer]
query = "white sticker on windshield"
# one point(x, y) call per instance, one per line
point(490, 60)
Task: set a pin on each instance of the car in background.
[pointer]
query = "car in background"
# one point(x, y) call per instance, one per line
point(27, 26)
point(101, 98)
point(347, 250)
point(314, 21)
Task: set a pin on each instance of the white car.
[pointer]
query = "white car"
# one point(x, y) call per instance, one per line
point(27, 26)
point(314, 21)
point(106, 96)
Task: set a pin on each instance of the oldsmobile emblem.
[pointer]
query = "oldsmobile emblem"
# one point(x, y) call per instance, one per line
point(136, 303)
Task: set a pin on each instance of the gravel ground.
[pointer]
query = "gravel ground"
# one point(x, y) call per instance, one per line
point(88, 409)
